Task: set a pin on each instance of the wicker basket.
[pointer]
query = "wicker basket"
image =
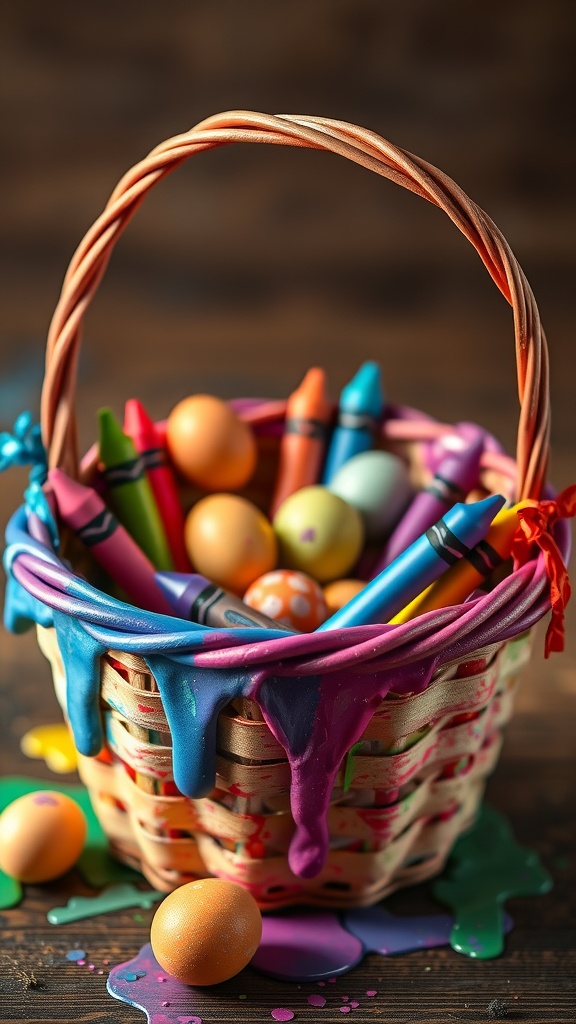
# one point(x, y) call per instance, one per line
point(398, 726)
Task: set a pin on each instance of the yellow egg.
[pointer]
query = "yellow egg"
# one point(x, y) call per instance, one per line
point(230, 541)
point(210, 444)
point(318, 533)
point(206, 931)
point(41, 836)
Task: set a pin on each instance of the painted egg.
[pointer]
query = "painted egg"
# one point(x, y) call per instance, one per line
point(210, 444)
point(41, 836)
point(338, 593)
point(289, 597)
point(319, 533)
point(230, 541)
point(206, 931)
point(378, 485)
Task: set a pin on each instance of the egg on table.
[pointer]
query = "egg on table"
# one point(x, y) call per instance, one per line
point(206, 931)
point(41, 836)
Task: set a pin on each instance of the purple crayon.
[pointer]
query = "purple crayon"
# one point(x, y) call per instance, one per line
point(456, 475)
point(196, 598)
point(112, 546)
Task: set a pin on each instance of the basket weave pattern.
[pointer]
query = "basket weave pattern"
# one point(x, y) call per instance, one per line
point(415, 776)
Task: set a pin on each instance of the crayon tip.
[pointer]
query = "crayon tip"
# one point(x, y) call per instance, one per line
point(490, 505)
point(363, 393)
point(114, 445)
point(71, 496)
point(136, 418)
point(180, 588)
point(311, 394)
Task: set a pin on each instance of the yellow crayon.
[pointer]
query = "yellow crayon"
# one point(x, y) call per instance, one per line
point(462, 578)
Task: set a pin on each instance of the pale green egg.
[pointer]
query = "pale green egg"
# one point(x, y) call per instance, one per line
point(377, 484)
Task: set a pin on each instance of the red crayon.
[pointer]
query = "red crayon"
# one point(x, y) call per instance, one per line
point(149, 443)
point(308, 415)
point(83, 510)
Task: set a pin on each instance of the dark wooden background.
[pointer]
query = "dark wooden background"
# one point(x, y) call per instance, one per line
point(245, 267)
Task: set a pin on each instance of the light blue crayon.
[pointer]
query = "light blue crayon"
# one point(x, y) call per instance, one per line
point(360, 407)
point(451, 538)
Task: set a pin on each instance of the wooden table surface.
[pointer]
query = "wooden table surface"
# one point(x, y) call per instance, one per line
point(245, 268)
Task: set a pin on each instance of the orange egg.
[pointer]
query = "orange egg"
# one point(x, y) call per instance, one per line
point(230, 541)
point(209, 444)
point(206, 931)
point(340, 592)
point(290, 597)
point(41, 836)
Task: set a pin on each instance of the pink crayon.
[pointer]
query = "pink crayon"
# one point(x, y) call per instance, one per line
point(83, 510)
point(456, 475)
point(149, 443)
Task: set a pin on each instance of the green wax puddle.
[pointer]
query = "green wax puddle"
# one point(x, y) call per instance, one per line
point(95, 864)
point(115, 897)
point(487, 866)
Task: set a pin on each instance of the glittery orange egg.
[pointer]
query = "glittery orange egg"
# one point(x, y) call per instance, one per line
point(289, 597)
point(210, 444)
point(230, 541)
point(41, 836)
point(206, 931)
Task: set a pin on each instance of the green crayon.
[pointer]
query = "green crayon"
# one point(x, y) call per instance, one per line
point(129, 491)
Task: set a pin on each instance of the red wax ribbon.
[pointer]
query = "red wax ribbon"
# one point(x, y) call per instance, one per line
point(536, 524)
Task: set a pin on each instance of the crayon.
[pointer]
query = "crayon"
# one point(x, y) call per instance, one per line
point(149, 444)
point(452, 537)
point(196, 598)
point(129, 492)
point(308, 414)
point(460, 580)
point(83, 510)
point(456, 475)
point(360, 407)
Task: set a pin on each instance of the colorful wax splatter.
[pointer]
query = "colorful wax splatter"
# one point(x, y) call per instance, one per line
point(115, 897)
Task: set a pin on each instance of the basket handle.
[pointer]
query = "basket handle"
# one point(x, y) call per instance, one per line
point(364, 147)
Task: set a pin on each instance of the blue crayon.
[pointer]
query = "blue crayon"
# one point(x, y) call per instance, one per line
point(360, 407)
point(450, 539)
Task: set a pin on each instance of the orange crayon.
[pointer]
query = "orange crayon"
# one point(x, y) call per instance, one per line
point(308, 414)
point(149, 443)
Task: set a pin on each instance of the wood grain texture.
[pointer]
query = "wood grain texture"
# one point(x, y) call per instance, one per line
point(242, 270)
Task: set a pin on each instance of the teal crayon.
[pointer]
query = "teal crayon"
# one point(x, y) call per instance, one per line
point(360, 407)
point(447, 541)
point(129, 492)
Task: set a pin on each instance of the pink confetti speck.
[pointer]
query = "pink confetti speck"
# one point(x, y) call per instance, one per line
point(371, 992)
point(345, 999)
point(165, 1004)
point(354, 1003)
point(90, 967)
point(105, 961)
point(81, 963)
point(100, 972)
point(282, 1014)
point(316, 1000)
point(161, 978)
point(344, 1009)
point(321, 983)
point(332, 981)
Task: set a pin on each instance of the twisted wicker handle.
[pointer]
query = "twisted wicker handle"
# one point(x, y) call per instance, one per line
point(363, 147)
